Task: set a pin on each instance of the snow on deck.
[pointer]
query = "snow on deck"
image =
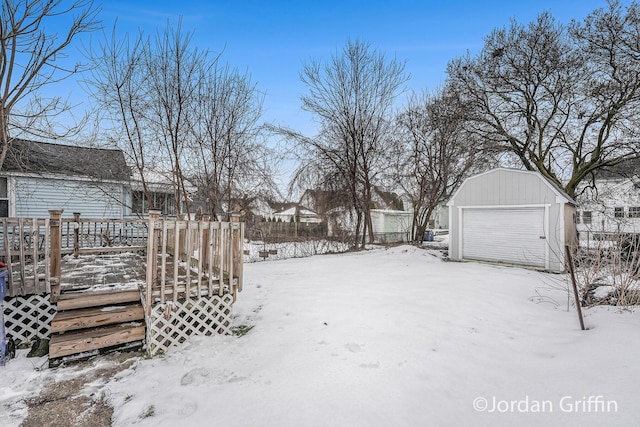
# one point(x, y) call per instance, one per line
point(116, 271)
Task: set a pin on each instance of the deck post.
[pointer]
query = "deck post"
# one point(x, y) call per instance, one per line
point(152, 258)
point(55, 227)
point(236, 253)
point(76, 234)
point(181, 250)
point(205, 250)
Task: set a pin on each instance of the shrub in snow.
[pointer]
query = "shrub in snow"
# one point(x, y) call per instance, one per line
point(608, 270)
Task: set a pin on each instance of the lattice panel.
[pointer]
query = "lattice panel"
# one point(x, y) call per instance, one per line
point(28, 317)
point(172, 323)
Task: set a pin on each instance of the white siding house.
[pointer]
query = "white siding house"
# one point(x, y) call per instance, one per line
point(612, 205)
point(511, 216)
point(38, 176)
point(297, 214)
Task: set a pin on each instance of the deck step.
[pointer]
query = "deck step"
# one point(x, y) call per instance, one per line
point(96, 316)
point(94, 299)
point(80, 341)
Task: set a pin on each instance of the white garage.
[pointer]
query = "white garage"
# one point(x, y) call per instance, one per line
point(511, 216)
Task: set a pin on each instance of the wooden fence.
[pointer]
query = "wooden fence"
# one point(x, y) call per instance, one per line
point(193, 259)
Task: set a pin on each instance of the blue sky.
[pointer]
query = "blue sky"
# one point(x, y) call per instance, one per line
point(271, 39)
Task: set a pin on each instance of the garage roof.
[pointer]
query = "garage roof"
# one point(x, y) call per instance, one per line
point(559, 192)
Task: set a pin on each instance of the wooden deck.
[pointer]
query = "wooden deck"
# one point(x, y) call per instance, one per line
point(100, 304)
point(89, 321)
point(109, 286)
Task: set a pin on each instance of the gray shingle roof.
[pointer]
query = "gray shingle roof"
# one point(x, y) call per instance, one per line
point(43, 157)
point(625, 169)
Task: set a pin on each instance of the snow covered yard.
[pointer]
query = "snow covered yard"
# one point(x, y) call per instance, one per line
point(386, 337)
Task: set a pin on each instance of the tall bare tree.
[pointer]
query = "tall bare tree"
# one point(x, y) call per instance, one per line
point(173, 107)
point(118, 82)
point(30, 56)
point(226, 138)
point(175, 73)
point(432, 153)
point(352, 95)
point(561, 100)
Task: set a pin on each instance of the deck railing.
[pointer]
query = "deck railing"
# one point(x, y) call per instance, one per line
point(99, 235)
point(192, 259)
point(185, 259)
point(25, 248)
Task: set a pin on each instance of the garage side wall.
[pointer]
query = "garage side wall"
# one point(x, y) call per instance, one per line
point(509, 188)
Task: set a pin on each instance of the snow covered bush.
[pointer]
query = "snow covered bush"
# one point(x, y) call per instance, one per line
point(261, 251)
point(608, 270)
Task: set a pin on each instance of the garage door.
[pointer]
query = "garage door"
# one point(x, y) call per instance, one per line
point(511, 235)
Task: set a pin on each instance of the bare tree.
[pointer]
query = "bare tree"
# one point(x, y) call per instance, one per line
point(175, 108)
point(231, 160)
point(562, 100)
point(432, 153)
point(352, 95)
point(30, 60)
point(175, 73)
point(118, 82)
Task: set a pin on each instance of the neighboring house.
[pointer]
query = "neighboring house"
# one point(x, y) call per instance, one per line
point(96, 182)
point(612, 205)
point(439, 218)
point(390, 221)
point(296, 213)
point(323, 201)
point(387, 200)
point(38, 176)
point(391, 226)
point(511, 216)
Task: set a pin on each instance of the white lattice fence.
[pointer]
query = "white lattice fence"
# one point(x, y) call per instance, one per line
point(28, 317)
point(173, 323)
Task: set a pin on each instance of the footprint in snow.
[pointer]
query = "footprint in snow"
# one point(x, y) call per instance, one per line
point(353, 347)
point(370, 365)
point(195, 376)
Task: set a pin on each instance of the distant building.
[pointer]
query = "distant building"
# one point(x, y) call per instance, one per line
point(296, 213)
point(612, 205)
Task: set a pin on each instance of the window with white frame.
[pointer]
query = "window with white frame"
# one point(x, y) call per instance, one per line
point(634, 211)
point(586, 217)
point(618, 212)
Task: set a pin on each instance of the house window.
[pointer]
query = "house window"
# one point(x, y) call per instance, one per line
point(634, 211)
point(163, 201)
point(4, 198)
point(586, 217)
point(618, 212)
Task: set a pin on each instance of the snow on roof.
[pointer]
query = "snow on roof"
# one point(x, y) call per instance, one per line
point(290, 211)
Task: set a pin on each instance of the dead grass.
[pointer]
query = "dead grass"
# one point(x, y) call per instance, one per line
point(68, 403)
